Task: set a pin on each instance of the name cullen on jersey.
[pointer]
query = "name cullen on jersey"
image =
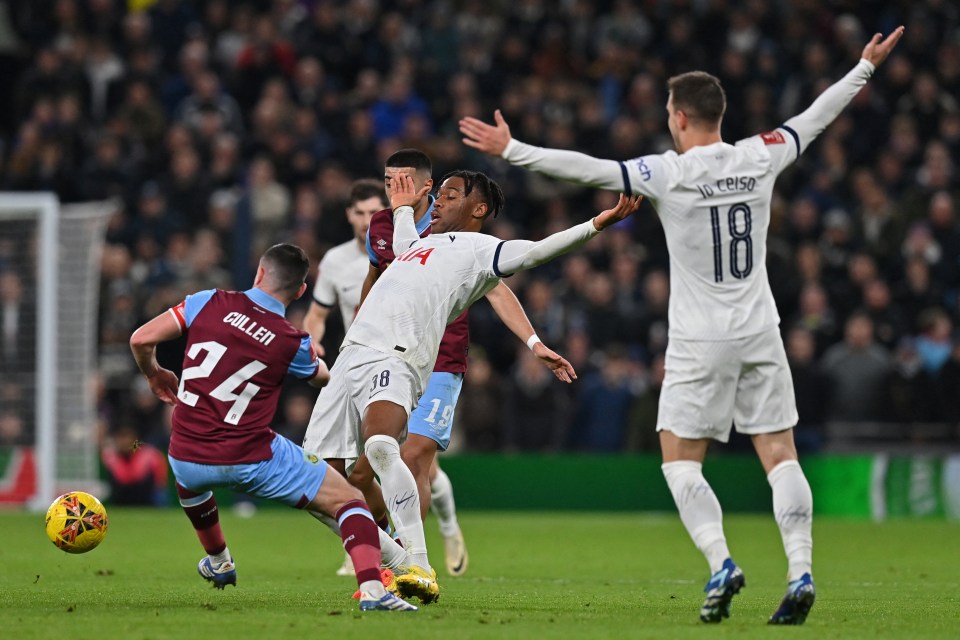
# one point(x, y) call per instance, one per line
point(249, 327)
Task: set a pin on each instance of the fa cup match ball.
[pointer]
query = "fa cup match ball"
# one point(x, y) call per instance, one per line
point(76, 522)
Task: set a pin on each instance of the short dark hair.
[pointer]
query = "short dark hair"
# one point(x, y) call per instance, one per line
point(699, 95)
point(490, 191)
point(286, 266)
point(410, 158)
point(366, 188)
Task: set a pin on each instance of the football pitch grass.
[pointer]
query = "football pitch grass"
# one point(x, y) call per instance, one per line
point(532, 575)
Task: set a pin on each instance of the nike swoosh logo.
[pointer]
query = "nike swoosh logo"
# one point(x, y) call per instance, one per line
point(459, 566)
point(400, 502)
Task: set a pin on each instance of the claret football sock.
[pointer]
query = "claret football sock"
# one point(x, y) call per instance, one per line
point(699, 509)
point(400, 494)
point(360, 540)
point(793, 511)
point(201, 508)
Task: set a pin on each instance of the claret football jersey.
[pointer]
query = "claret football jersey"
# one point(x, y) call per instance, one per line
point(240, 348)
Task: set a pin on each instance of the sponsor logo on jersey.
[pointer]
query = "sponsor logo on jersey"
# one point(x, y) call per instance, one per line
point(382, 243)
point(644, 170)
point(772, 137)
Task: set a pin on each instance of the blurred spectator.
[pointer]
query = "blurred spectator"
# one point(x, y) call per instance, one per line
point(859, 372)
point(811, 387)
point(601, 419)
point(136, 471)
point(17, 326)
point(535, 409)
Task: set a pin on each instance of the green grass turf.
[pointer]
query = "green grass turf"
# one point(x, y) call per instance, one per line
point(532, 575)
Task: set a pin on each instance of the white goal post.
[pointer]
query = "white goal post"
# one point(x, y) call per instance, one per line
point(56, 254)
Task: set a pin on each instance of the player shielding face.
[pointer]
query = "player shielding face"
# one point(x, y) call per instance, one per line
point(725, 362)
point(430, 426)
point(239, 350)
point(390, 349)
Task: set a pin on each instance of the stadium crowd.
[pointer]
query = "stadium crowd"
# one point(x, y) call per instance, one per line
point(220, 128)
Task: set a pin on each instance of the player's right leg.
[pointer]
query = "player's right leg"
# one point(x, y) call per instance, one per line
point(702, 517)
point(383, 423)
point(193, 488)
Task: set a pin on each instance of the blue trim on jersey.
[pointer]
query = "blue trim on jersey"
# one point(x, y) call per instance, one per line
point(496, 260)
point(304, 363)
point(267, 301)
point(796, 138)
point(370, 254)
point(424, 222)
point(627, 190)
point(194, 303)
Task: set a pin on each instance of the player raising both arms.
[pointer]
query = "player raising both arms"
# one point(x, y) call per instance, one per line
point(239, 350)
point(725, 360)
point(390, 349)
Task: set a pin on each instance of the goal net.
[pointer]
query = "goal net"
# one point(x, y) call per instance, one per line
point(49, 295)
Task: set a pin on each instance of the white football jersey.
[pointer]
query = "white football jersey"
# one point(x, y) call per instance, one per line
point(714, 204)
point(423, 289)
point(340, 279)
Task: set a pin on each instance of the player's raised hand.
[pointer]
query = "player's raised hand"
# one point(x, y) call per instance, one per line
point(877, 51)
point(561, 368)
point(164, 384)
point(487, 138)
point(403, 192)
point(626, 206)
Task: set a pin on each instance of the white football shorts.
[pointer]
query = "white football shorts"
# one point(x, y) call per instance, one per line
point(360, 376)
point(710, 386)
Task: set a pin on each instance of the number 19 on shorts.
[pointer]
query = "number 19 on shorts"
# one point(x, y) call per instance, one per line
point(740, 256)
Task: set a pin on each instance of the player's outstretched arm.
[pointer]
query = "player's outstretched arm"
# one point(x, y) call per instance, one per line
point(519, 255)
point(806, 126)
point(143, 344)
point(511, 313)
point(566, 165)
point(322, 377)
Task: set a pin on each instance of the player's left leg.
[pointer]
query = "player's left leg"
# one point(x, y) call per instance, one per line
point(430, 428)
point(443, 505)
point(793, 511)
point(200, 506)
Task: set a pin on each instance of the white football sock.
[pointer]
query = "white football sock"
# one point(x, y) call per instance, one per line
point(699, 509)
point(400, 495)
point(392, 555)
point(223, 556)
point(373, 588)
point(442, 504)
point(793, 511)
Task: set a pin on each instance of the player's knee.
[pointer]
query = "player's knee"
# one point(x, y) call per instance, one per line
point(417, 457)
